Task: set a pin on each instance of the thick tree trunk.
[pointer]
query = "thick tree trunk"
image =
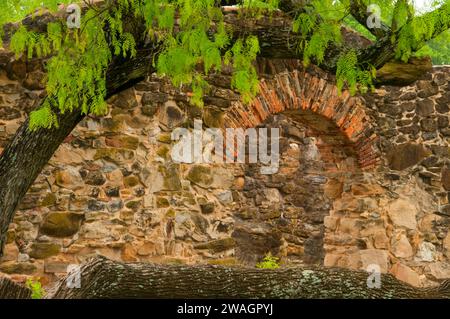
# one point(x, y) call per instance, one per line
point(104, 278)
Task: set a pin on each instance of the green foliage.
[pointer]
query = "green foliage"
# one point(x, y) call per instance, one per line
point(414, 30)
point(402, 13)
point(420, 30)
point(438, 49)
point(43, 117)
point(351, 23)
point(37, 292)
point(244, 79)
point(348, 72)
point(269, 262)
point(325, 34)
point(194, 46)
point(317, 34)
point(79, 58)
point(261, 4)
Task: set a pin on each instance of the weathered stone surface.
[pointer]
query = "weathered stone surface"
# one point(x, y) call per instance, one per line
point(150, 249)
point(162, 177)
point(331, 198)
point(69, 178)
point(122, 141)
point(44, 250)
point(403, 73)
point(52, 267)
point(225, 197)
point(131, 181)
point(424, 107)
point(154, 97)
point(439, 270)
point(427, 88)
point(401, 247)
point(61, 224)
point(446, 244)
point(129, 253)
point(213, 117)
point(189, 224)
point(403, 213)
point(445, 178)
point(171, 116)
point(406, 155)
point(207, 208)
point(115, 155)
point(125, 99)
point(406, 274)
point(10, 253)
point(428, 125)
point(200, 175)
point(18, 268)
point(94, 178)
point(217, 245)
point(426, 252)
point(35, 81)
point(9, 113)
point(374, 257)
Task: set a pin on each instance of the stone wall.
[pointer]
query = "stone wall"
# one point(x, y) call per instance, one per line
point(362, 180)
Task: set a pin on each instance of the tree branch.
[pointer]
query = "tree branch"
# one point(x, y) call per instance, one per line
point(11, 290)
point(358, 10)
point(104, 278)
point(383, 50)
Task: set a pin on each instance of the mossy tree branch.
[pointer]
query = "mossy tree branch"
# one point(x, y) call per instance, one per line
point(104, 278)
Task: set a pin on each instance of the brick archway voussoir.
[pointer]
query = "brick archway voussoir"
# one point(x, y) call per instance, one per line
point(300, 90)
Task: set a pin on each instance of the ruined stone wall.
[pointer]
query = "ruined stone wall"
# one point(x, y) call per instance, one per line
point(356, 185)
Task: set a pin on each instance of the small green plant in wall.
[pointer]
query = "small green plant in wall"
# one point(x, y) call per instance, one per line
point(37, 292)
point(269, 262)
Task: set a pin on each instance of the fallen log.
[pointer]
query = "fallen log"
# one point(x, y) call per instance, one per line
point(104, 278)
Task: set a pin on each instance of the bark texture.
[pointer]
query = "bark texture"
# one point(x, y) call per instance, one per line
point(104, 278)
point(11, 290)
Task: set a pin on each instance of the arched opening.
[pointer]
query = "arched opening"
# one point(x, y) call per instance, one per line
point(283, 213)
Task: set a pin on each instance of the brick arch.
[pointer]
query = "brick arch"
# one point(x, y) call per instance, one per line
point(300, 90)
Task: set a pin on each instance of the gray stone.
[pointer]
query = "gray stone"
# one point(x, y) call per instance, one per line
point(225, 197)
point(426, 252)
point(115, 205)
